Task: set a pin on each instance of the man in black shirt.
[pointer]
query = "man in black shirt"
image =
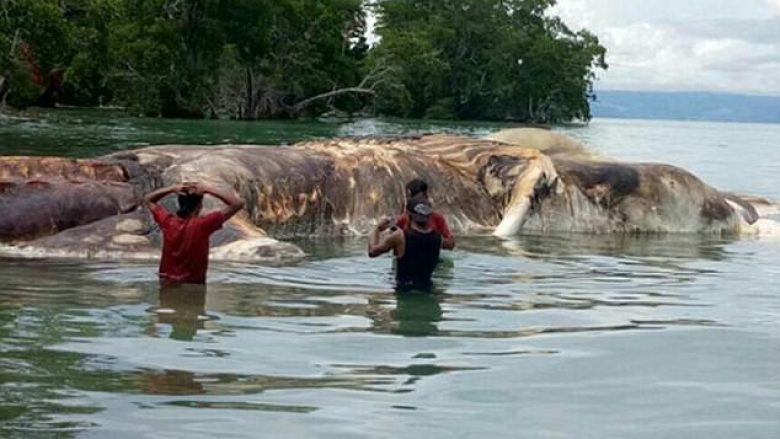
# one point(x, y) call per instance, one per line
point(416, 249)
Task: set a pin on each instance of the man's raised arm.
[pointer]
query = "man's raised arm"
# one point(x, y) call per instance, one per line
point(233, 203)
point(159, 194)
point(379, 245)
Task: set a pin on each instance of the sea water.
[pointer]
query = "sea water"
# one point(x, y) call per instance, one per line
point(559, 336)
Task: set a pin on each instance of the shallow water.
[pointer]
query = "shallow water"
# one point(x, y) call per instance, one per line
point(565, 336)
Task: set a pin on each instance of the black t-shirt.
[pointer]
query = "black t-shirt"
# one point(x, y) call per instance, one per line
point(416, 266)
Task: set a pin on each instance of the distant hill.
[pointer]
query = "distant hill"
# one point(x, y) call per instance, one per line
point(686, 106)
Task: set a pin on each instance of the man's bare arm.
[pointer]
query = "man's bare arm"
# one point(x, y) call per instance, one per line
point(159, 194)
point(379, 245)
point(233, 203)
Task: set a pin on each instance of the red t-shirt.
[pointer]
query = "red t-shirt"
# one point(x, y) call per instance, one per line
point(436, 221)
point(185, 252)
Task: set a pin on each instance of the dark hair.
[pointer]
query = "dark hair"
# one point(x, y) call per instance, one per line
point(417, 186)
point(188, 204)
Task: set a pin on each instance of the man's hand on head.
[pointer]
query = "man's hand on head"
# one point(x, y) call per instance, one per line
point(197, 189)
point(187, 188)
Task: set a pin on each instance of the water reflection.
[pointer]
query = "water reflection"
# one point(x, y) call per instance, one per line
point(183, 307)
point(530, 325)
point(289, 338)
point(180, 382)
point(416, 313)
point(662, 245)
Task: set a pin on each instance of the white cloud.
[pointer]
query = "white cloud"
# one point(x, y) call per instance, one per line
point(715, 45)
point(575, 13)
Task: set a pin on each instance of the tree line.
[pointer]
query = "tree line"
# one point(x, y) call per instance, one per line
point(251, 59)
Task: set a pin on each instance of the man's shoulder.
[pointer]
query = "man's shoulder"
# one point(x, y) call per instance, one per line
point(157, 208)
point(159, 213)
point(214, 214)
point(211, 221)
point(438, 217)
point(440, 224)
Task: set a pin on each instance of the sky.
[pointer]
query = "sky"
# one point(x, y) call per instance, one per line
point(684, 45)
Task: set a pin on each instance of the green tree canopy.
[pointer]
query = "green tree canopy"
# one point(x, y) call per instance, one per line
point(484, 59)
point(466, 59)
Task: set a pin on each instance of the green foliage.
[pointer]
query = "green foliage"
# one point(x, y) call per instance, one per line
point(35, 40)
point(23, 90)
point(290, 50)
point(484, 59)
point(475, 59)
point(87, 73)
point(417, 77)
point(240, 58)
point(42, 26)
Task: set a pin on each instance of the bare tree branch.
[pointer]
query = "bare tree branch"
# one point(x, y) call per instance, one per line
point(14, 42)
point(366, 86)
point(298, 107)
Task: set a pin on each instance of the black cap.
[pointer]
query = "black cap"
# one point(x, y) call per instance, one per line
point(419, 209)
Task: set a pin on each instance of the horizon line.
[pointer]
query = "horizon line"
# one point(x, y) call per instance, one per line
point(679, 92)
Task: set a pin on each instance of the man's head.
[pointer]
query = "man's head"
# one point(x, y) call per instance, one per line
point(419, 209)
point(189, 204)
point(416, 187)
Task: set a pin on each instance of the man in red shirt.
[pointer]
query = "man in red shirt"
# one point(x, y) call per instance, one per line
point(185, 252)
point(436, 220)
